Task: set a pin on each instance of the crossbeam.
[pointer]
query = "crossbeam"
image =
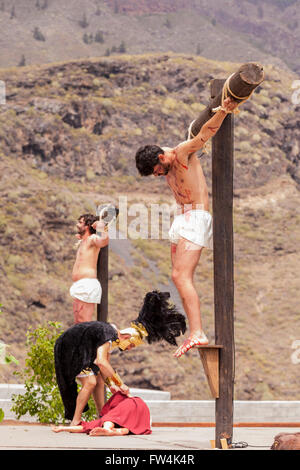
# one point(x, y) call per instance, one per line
point(240, 84)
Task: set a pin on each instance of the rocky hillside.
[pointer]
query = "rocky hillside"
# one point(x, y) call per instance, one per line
point(69, 132)
point(45, 31)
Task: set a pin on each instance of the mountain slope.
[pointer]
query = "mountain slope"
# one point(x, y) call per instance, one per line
point(43, 31)
point(69, 132)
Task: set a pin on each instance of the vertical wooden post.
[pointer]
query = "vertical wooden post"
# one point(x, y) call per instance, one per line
point(239, 86)
point(102, 275)
point(222, 190)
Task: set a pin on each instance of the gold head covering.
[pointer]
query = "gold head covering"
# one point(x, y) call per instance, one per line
point(137, 334)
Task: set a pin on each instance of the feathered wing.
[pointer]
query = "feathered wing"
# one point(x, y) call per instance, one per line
point(161, 319)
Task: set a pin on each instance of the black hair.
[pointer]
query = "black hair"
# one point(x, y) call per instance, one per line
point(89, 220)
point(146, 158)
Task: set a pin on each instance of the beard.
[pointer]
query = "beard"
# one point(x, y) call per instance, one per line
point(80, 233)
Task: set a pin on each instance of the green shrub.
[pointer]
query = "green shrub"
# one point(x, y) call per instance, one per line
point(42, 398)
point(7, 359)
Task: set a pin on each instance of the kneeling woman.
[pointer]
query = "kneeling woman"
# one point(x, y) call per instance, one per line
point(121, 415)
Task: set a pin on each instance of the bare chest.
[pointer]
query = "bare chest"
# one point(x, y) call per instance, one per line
point(183, 182)
point(85, 252)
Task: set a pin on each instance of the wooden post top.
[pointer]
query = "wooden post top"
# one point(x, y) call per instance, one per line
point(240, 85)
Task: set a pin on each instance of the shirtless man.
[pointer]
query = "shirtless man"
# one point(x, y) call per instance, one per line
point(86, 289)
point(191, 231)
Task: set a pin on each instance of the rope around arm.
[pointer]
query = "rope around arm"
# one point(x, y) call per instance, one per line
point(225, 90)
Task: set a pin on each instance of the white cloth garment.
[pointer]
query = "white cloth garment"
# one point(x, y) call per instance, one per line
point(87, 290)
point(195, 226)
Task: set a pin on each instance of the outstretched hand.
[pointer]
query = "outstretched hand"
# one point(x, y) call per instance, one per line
point(123, 389)
point(229, 105)
point(99, 225)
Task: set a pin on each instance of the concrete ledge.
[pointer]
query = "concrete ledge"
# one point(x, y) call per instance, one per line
point(7, 390)
point(203, 411)
point(165, 410)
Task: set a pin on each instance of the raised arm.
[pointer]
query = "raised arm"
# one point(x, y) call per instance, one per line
point(100, 238)
point(208, 130)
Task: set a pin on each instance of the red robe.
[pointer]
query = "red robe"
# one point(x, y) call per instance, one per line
point(127, 412)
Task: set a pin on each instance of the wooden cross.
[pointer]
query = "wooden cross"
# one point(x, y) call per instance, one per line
point(218, 359)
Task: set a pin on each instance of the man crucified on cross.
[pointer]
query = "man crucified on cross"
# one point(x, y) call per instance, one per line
point(191, 230)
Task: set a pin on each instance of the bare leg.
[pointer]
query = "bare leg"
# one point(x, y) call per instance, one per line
point(88, 386)
point(83, 311)
point(184, 264)
point(98, 394)
point(184, 261)
point(78, 428)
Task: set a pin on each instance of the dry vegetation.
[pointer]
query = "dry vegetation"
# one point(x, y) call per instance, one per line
point(68, 136)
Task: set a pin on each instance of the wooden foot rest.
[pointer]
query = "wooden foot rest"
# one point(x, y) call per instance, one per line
point(210, 359)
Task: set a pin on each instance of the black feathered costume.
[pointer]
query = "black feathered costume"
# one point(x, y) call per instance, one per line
point(76, 348)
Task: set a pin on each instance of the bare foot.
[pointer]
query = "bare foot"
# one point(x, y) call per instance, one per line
point(120, 431)
point(109, 432)
point(101, 432)
point(191, 342)
point(57, 428)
